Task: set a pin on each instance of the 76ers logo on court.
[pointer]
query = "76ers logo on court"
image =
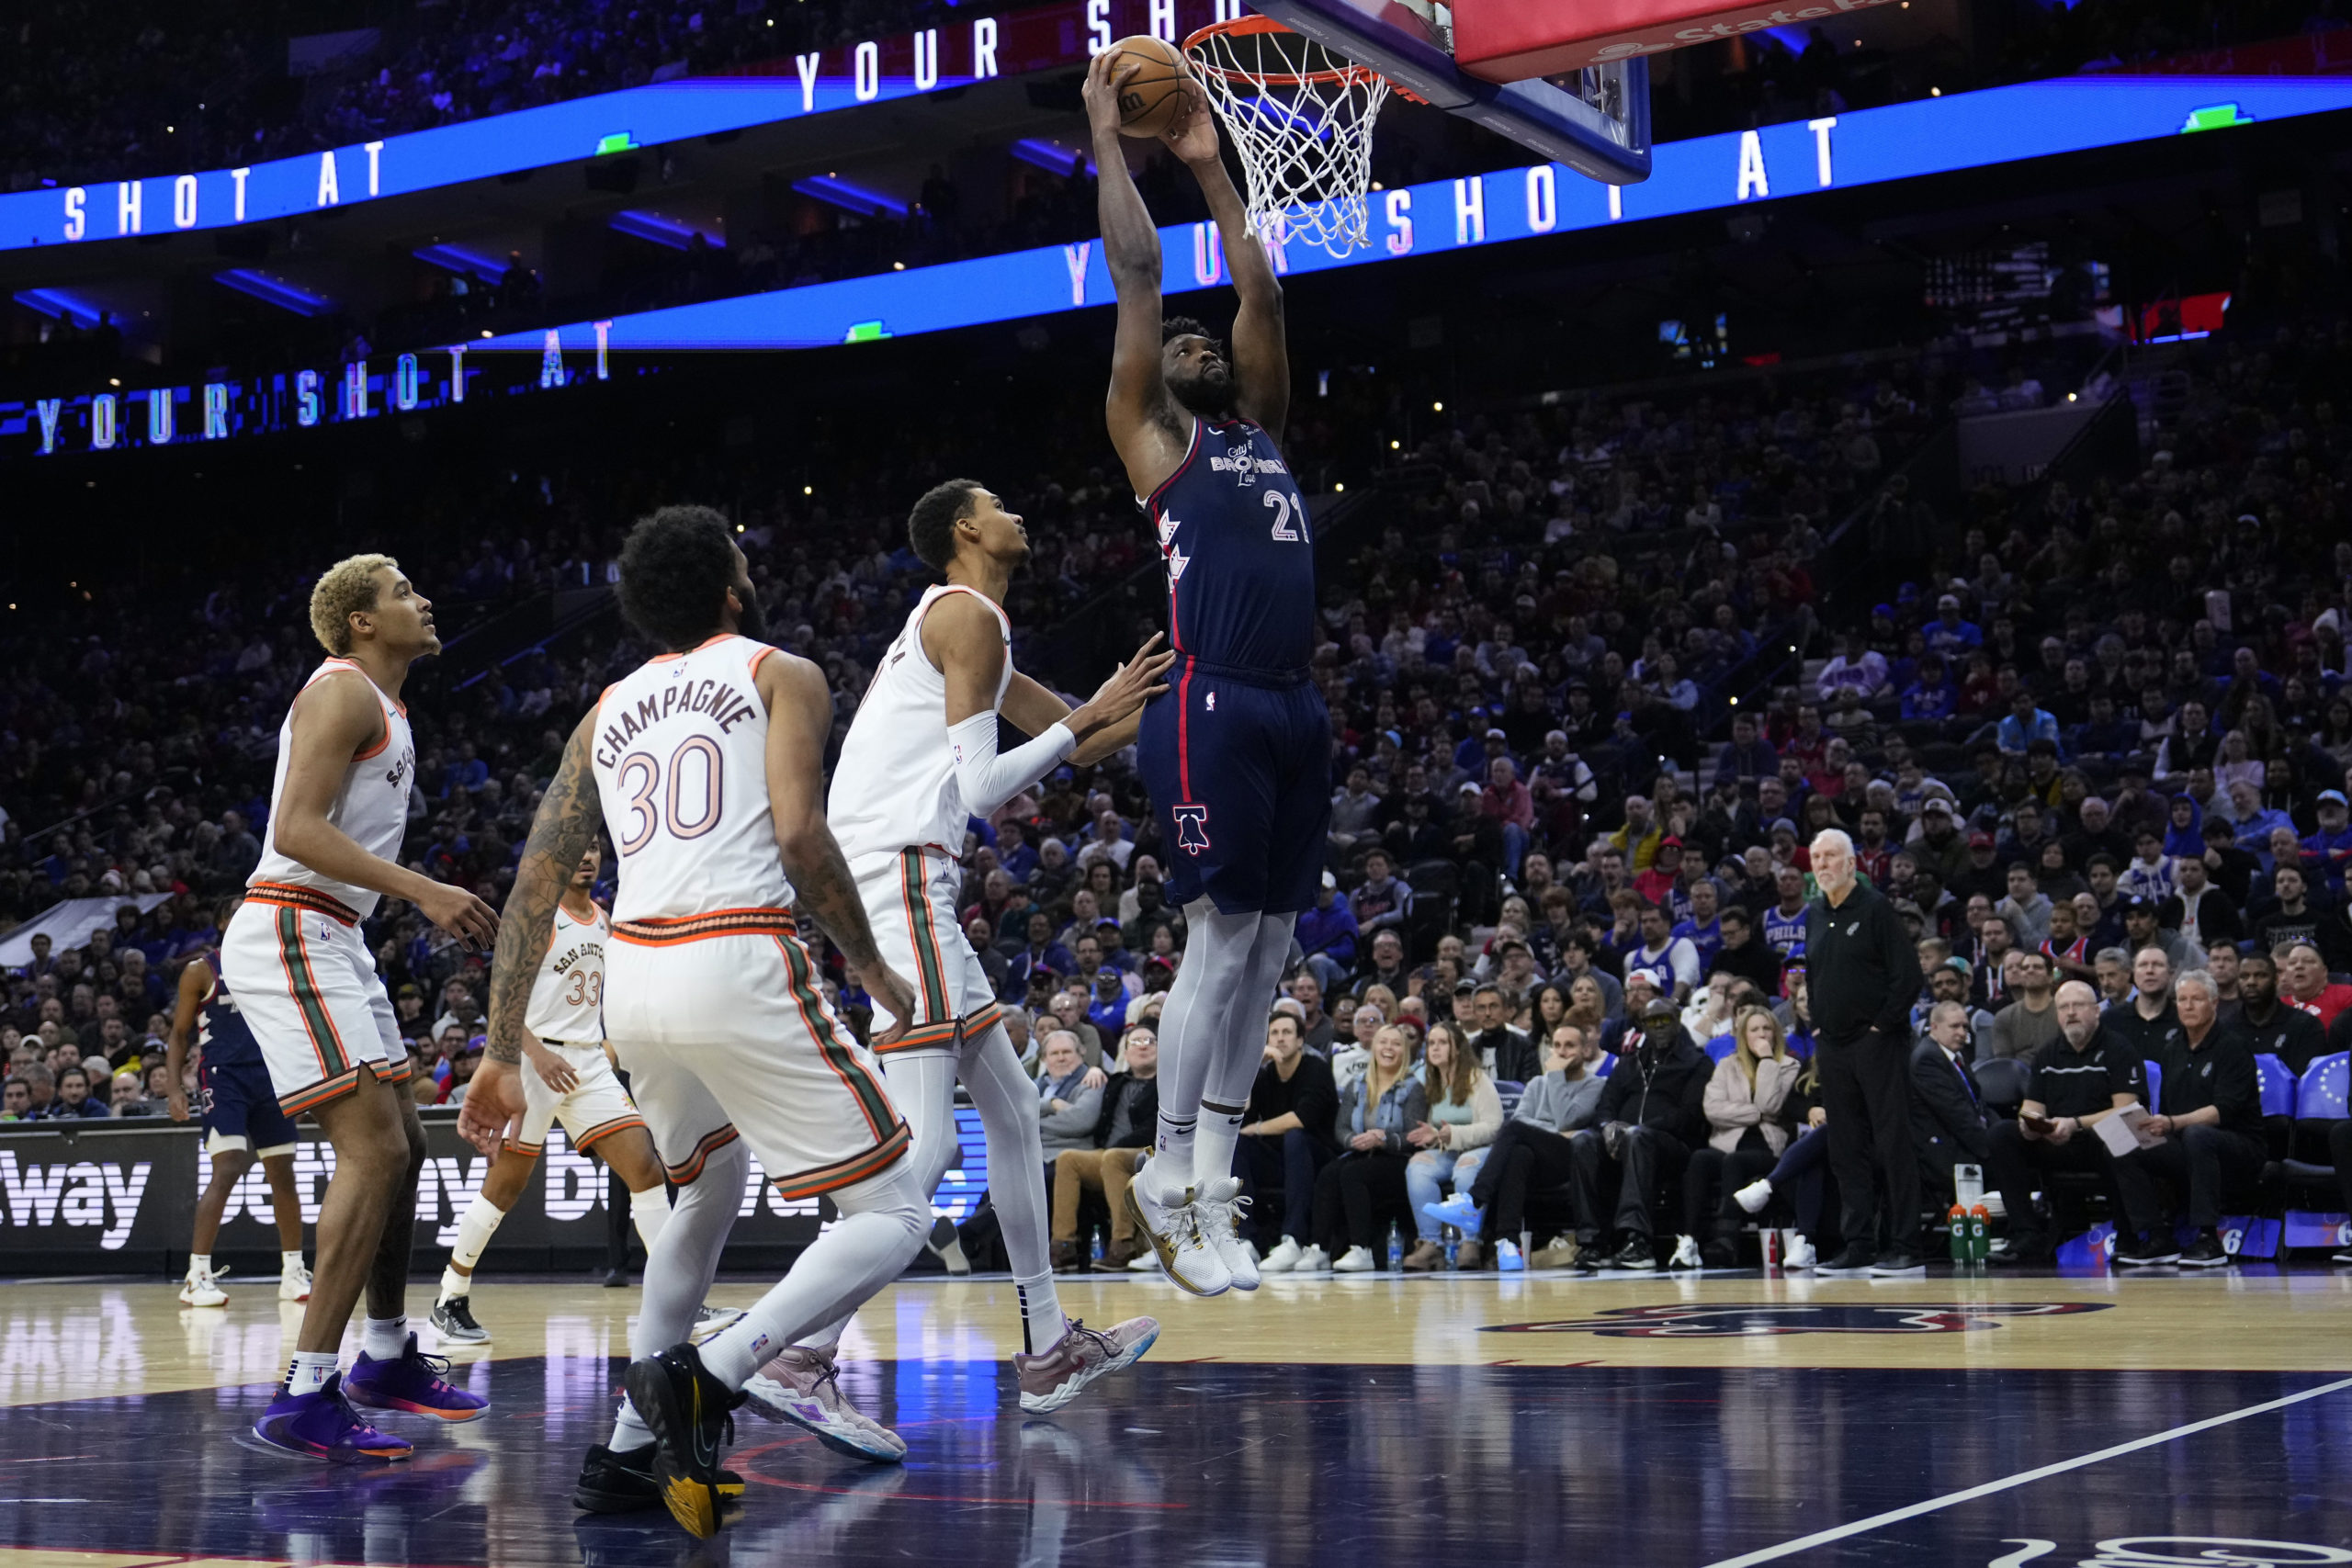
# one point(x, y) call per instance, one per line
point(1192, 827)
point(1738, 1322)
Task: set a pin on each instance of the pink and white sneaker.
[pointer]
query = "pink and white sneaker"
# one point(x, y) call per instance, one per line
point(1055, 1377)
point(800, 1384)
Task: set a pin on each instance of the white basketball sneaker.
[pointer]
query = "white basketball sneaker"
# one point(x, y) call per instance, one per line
point(294, 1282)
point(1281, 1259)
point(201, 1288)
point(1755, 1195)
point(1217, 1206)
point(1186, 1255)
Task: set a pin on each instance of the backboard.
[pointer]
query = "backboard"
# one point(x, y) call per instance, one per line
point(1595, 119)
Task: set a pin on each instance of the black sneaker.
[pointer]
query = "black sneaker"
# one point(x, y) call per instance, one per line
point(2206, 1251)
point(1855, 1259)
point(453, 1320)
point(623, 1483)
point(2027, 1249)
point(1898, 1261)
point(689, 1412)
point(2144, 1251)
point(1639, 1254)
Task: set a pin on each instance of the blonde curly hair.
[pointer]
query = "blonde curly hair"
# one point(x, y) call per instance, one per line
point(347, 586)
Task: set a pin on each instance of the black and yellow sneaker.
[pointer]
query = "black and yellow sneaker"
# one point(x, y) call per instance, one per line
point(690, 1414)
point(622, 1482)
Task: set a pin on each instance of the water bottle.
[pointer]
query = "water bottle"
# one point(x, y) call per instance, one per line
point(1453, 1244)
point(1980, 1236)
point(1395, 1246)
point(1963, 1251)
point(1098, 1247)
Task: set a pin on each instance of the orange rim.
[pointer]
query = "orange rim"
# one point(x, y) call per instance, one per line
point(1243, 27)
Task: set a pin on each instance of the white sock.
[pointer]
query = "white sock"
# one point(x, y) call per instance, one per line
point(650, 1210)
point(453, 1285)
point(288, 1262)
point(629, 1430)
point(200, 1264)
point(475, 1228)
point(384, 1339)
point(309, 1370)
point(1042, 1325)
point(1214, 1139)
point(1170, 1165)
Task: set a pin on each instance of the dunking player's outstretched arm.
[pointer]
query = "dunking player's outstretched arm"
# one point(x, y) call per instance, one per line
point(1261, 357)
point(800, 715)
point(1150, 428)
point(334, 720)
point(561, 831)
point(962, 639)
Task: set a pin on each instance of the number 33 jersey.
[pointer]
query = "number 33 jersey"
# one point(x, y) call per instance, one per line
point(680, 748)
point(567, 998)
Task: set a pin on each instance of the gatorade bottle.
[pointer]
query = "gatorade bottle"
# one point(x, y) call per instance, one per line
point(1980, 1236)
point(1960, 1253)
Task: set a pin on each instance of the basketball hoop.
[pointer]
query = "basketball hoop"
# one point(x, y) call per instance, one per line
point(1301, 117)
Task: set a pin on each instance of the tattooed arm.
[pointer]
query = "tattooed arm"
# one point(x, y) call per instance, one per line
point(801, 714)
point(569, 816)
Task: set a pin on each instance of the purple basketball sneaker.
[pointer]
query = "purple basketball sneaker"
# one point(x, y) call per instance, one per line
point(413, 1384)
point(323, 1426)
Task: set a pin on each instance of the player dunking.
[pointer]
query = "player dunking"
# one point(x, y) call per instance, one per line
point(706, 767)
point(241, 1123)
point(920, 760)
point(572, 1080)
point(294, 957)
point(1237, 756)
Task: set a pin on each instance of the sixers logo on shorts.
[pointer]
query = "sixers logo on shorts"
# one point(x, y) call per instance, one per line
point(1192, 827)
point(1734, 1321)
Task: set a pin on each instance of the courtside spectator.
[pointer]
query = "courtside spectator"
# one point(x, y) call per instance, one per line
point(2209, 1117)
point(1122, 1138)
point(1366, 1181)
point(1744, 1137)
point(1285, 1142)
point(1949, 1124)
point(1652, 1114)
point(2076, 1082)
point(1464, 1114)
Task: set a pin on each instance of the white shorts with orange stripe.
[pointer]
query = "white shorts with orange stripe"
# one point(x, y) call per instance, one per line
point(719, 1024)
point(300, 967)
point(596, 1108)
point(911, 903)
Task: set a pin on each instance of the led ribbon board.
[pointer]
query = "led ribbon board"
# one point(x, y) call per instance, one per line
point(2001, 125)
point(1933, 136)
point(954, 55)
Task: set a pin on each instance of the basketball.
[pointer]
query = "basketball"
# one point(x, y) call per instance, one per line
point(1153, 96)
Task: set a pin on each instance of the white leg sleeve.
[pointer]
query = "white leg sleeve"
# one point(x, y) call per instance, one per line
point(680, 1264)
point(884, 1219)
point(922, 1085)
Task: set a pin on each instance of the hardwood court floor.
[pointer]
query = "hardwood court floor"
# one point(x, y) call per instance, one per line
point(1723, 1420)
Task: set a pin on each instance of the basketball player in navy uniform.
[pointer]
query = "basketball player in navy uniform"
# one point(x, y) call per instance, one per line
point(1237, 755)
point(241, 1123)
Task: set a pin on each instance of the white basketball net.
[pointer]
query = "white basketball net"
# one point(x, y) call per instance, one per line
point(1301, 117)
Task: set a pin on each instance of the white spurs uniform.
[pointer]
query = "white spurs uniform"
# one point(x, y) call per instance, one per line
point(898, 811)
point(566, 1015)
point(710, 999)
point(294, 955)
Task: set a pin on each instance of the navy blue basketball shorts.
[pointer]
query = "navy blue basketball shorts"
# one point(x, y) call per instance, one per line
point(241, 1111)
point(1240, 775)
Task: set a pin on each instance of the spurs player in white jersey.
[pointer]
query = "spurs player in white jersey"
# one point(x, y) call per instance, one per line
point(704, 767)
point(299, 967)
point(570, 1080)
point(921, 758)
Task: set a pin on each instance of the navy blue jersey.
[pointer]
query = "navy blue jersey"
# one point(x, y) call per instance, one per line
point(221, 1032)
point(1241, 559)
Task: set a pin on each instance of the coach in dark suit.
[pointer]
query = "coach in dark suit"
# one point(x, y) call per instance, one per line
point(1947, 1124)
point(1864, 975)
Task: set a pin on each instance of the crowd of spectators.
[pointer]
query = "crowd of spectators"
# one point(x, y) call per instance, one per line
point(2099, 741)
